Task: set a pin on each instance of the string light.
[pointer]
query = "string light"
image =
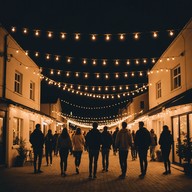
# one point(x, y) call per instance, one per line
point(77, 36)
point(63, 36)
point(37, 33)
point(107, 38)
point(93, 37)
point(25, 31)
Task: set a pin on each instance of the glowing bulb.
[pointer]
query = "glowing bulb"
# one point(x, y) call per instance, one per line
point(116, 75)
point(52, 72)
point(84, 61)
point(25, 31)
point(57, 58)
point(106, 76)
point(49, 34)
point(171, 33)
point(79, 87)
point(141, 74)
point(107, 37)
point(116, 62)
point(67, 74)
point(126, 75)
point(99, 88)
point(93, 88)
point(120, 88)
point(136, 36)
point(86, 88)
point(128, 62)
point(93, 37)
point(127, 87)
point(121, 37)
point(132, 74)
point(155, 34)
point(36, 54)
point(68, 60)
point(37, 33)
point(106, 88)
point(137, 62)
point(77, 36)
point(144, 61)
point(59, 72)
point(77, 74)
point(153, 60)
point(13, 29)
point(104, 62)
point(63, 36)
point(26, 52)
point(86, 75)
point(97, 75)
point(48, 57)
point(94, 62)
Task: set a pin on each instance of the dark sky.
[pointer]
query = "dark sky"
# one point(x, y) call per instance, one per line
point(100, 17)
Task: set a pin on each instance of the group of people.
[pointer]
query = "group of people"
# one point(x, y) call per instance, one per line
point(95, 141)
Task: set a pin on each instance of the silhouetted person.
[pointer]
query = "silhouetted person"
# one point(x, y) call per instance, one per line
point(142, 142)
point(55, 139)
point(93, 142)
point(123, 142)
point(114, 137)
point(37, 141)
point(49, 147)
point(165, 141)
point(105, 148)
point(78, 141)
point(133, 147)
point(64, 146)
point(153, 144)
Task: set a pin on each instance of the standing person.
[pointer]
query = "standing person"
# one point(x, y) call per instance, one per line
point(78, 141)
point(142, 142)
point(153, 144)
point(55, 139)
point(114, 137)
point(165, 141)
point(93, 142)
point(49, 147)
point(64, 146)
point(105, 148)
point(133, 147)
point(37, 141)
point(123, 142)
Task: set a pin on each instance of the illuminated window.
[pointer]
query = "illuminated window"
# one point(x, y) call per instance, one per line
point(18, 82)
point(176, 77)
point(158, 89)
point(32, 90)
point(31, 127)
point(17, 130)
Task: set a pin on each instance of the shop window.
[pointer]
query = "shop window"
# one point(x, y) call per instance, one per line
point(17, 130)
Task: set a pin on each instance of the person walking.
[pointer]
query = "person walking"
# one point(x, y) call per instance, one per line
point(165, 142)
point(78, 141)
point(49, 147)
point(55, 139)
point(105, 148)
point(142, 142)
point(153, 144)
point(133, 147)
point(64, 146)
point(114, 137)
point(123, 142)
point(93, 141)
point(37, 141)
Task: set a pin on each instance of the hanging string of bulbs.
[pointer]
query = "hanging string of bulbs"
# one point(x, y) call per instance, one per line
point(64, 87)
point(121, 36)
point(96, 107)
point(95, 61)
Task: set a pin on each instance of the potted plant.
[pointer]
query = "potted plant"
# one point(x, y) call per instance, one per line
point(184, 151)
point(22, 153)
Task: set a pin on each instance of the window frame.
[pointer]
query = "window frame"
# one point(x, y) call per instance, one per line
point(158, 90)
point(32, 90)
point(17, 130)
point(18, 82)
point(176, 77)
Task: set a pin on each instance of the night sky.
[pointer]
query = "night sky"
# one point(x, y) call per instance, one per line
point(94, 17)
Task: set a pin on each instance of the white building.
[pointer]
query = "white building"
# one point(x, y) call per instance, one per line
point(170, 91)
point(19, 98)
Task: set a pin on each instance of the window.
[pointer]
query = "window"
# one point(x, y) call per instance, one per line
point(176, 77)
point(18, 82)
point(32, 90)
point(158, 89)
point(31, 127)
point(17, 130)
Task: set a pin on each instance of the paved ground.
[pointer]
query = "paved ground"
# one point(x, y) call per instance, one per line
point(19, 179)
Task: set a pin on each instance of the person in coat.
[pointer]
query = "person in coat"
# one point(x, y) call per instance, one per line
point(142, 142)
point(37, 141)
point(165, 142)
